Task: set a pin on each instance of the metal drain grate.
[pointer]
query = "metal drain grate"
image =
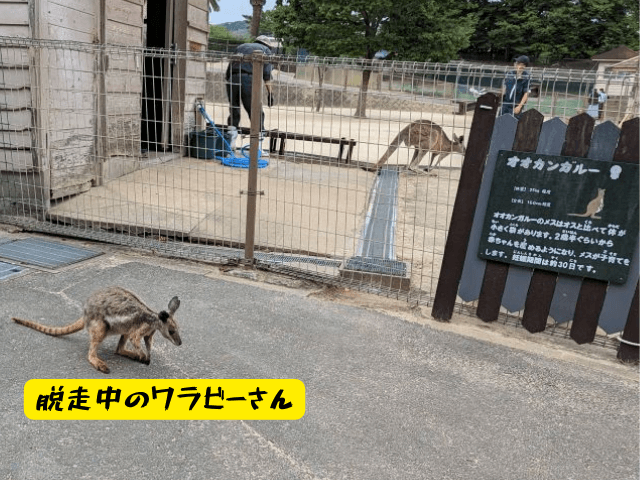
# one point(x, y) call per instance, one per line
point(8, 270)
point(41, 253)
point(376, 251)
point(283, 258)
point(377, 265)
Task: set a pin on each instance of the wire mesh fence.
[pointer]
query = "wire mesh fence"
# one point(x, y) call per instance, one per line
point(134, 146)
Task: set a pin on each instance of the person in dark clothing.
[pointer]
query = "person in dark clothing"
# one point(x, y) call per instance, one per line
point(239, 78)
point(516, 88)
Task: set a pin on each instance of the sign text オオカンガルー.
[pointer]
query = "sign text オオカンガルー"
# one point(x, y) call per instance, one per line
point(570, 215)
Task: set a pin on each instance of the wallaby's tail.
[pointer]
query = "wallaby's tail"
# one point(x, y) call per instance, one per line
point(53, 331)
point(393, 146)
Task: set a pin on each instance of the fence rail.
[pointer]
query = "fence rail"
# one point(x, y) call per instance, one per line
point(107, 142)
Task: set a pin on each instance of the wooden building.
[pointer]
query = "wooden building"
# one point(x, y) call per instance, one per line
point(609, 59)
point(73, 115)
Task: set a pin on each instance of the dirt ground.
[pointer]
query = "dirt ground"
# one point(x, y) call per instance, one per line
point(313, 209)
point(425, 202)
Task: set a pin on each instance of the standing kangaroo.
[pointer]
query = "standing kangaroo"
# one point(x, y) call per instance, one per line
point(425, 136)
point(116, 311)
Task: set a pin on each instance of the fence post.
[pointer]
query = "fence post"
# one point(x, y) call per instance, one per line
point(543, 283)
point(257, 59)
point(495, 274)
point(628, 351)
point(593, 292)
point(101, 120)
point(464, 206)
point(627, 151)
point(554, 102)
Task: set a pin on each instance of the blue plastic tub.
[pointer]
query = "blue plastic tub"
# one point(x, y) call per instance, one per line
point(209, 145)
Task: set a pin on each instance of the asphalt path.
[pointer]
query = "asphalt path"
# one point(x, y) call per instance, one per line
point(386, 398)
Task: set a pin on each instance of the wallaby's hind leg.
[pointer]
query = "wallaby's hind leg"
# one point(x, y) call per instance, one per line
point(125, 352)
point(97, 334)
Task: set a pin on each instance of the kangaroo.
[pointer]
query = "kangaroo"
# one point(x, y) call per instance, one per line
point(116, 311)
point(593, 207)
point(425, 136)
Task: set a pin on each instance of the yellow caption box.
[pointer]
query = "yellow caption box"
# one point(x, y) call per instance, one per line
point(164, 399)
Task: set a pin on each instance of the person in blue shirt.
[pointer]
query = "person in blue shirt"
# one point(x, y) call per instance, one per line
point(239, 78)
point(516, 88)
point(602, 98)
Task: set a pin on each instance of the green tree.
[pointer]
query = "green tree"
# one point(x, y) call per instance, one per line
point(418, 30)
point(256, 16)
point(487, 14)
point(218, 32)
point(607, 24)
point(549, 30)
point(262, 30)
point(433, 31)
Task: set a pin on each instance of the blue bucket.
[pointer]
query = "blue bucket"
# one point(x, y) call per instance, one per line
point(208, 144)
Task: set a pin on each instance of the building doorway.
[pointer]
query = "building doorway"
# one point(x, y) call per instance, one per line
point(157, 76)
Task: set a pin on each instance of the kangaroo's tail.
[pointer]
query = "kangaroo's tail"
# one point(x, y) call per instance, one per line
point(53, 331)
point(393, 146)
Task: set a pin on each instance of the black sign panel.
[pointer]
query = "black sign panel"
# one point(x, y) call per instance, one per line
point(569, 215)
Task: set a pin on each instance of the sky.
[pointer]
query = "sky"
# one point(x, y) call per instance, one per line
point(232, 10)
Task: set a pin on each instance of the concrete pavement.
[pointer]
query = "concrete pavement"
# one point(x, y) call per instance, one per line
point(390, 395)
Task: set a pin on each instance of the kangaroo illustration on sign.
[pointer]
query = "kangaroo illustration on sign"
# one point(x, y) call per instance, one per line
point(116, 311)
point(593, 207)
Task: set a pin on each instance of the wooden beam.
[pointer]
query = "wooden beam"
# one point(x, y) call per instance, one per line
point(464, 206)
point(495, 276)
point(178, 93)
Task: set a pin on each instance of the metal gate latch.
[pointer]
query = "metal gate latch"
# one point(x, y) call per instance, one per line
point(252, 193)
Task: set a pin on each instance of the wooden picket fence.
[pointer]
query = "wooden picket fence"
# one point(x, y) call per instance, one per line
point(538, 294)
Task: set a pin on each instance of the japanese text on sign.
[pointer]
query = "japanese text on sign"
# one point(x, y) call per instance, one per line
point(570, 215)
point(233, 399)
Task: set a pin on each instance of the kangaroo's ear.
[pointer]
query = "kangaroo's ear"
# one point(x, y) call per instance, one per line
point(163, 316)
point(173, 305)
point(461, 139)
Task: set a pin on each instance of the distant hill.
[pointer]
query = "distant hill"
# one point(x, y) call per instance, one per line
point(237, 29)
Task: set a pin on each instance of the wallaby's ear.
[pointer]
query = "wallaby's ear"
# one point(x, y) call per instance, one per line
point(460, 139)
point(173, 305)
point(163, 316)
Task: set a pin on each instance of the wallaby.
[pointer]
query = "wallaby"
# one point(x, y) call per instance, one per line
point(425, 136)
point(116, 311)
point(594, 206)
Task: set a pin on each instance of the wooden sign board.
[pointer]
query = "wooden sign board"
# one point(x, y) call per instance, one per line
point(574, 216)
